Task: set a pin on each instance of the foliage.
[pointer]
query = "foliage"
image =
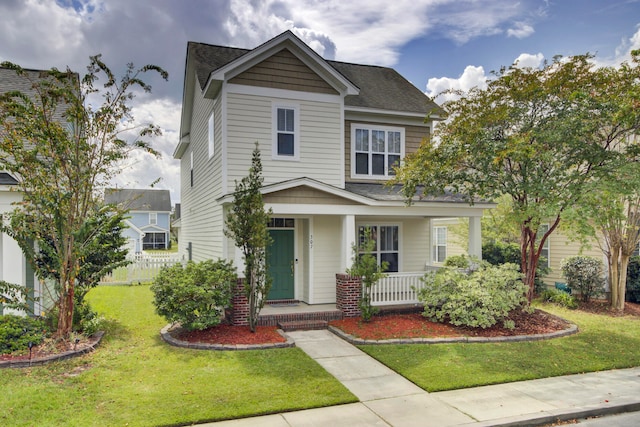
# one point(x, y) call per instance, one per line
point(247, 226)
point(584, 275)
point(15, 297)
point(633, 280)
point(196, 295)
point(498, 252)
point(559, 297)
point(535, 135)
point(458, 261)
point(16, 332)
point(63, 150)
point(479, 299)
point(365, 265)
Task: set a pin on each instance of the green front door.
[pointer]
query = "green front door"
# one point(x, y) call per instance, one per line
point(280, 263)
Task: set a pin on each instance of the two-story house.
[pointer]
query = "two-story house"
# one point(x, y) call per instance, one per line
point(148, 222)
point(329, 133)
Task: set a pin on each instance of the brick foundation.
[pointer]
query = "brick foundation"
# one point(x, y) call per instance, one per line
point(240, 306)
point(348, 294)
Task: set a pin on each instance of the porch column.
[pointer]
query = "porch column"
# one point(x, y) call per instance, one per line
point(348, 240)
point(475, 237)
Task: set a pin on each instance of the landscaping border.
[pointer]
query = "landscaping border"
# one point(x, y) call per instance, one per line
point(38, 361)
point(170, 339)
point(572, 329)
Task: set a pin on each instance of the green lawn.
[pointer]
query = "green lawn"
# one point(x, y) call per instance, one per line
point(602, 343)
point(135, 379)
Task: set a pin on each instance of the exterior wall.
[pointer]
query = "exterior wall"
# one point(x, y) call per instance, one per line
point(141, 219)
point(249, 119)
point(456, 245)
point(284, 71)
point(560, 248)
point(201, 215)
point(327, 232)
point(414, 135)
point(305, 196)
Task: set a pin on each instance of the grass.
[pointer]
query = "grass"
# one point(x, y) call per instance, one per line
point(603, 343)
point(135, 379)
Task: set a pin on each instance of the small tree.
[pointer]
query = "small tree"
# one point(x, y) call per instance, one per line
point(63, 150)
point(585, 275)
point(247, 226)
point(365, 265)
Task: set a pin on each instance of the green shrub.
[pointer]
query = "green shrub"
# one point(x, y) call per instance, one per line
point(497, 253)
point(633, 280)
point(559, 297)
point(479, 299)
point(584, 275)
point(196, 295)
point(458, 261)
point(16, 332)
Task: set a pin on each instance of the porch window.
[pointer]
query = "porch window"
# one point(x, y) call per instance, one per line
point(154, 241)
point(439, 244)
point(545, 248)
point(386, 247)
point(375, 150)
point(286, 125)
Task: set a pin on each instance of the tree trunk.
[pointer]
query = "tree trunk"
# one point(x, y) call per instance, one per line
point(622, 283)
point(614, 280)
point(529, 260)
point(65, 313)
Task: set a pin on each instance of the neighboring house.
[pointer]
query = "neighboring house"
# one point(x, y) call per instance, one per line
point(329, 133)
point(148, 223)
point(14, 267)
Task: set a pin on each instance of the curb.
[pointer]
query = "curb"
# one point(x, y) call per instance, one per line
point(168, 338)
point(572, 329)
point(38, 361)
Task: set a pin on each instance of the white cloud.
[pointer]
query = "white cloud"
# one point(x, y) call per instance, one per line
point(470, 78)
point(526, 60)
point(520, 30)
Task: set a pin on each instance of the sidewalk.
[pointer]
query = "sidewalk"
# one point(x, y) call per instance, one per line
point(388, 399)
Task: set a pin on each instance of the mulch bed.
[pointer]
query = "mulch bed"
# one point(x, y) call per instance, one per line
point(227, 334)
point(49, 347)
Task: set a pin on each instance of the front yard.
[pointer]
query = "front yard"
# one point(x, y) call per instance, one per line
point(136, 379)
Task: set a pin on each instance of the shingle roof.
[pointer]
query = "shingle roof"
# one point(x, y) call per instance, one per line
point(381, 192)
point(380, 87)
point(139, 199)
point(6, 179)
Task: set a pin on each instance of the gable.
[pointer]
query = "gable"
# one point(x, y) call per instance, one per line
point(284, 70)
point(305, 195)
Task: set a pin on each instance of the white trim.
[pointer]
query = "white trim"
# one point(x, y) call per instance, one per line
point(442, 211)
point(343, 144)
point(275, 107)
point(377, 112)
point(371, 128)
point(223, 136)
point(211, 137)
point(311, 277)
point(283, 93)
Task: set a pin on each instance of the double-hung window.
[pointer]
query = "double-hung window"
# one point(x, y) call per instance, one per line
point(286, 129)
point(439, 244)
point(545, 248)
point(153, 218)
point(386, 247)
point(376, 150)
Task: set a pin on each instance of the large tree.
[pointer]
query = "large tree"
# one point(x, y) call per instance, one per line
point(247, 226)
point(538, 135)
point(63, 142)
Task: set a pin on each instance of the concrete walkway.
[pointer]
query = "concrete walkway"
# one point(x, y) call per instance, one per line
point(388, 399)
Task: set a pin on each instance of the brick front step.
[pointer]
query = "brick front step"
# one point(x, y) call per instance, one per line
point(303, 325)
point(275, 319)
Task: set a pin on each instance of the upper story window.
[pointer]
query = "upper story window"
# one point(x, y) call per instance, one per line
point(211, 136)
point(286, 132)
point(153, 218)
point(191, 168)
point(375, 150)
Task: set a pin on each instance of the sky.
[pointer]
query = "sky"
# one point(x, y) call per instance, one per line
point(435, 44)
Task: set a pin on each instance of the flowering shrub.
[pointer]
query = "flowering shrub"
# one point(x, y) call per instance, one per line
point(584, 275)
point(479, 299)
point(195, 295)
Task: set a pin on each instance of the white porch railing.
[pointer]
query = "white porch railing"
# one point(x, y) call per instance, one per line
point(143, 268)
point(398, 288)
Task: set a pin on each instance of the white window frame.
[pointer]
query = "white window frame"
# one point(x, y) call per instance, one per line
point(153, 218)
point(296, 132)
point(191, 168)
point(378, 252)
point(371, 128)
point(211, 135)
point(546, 247)
point(435, 244)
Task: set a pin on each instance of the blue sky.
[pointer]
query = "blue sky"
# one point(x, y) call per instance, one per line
point(436, 44)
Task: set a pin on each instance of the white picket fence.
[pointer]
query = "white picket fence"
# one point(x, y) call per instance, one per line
point(398, 288)
point(144, 268)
